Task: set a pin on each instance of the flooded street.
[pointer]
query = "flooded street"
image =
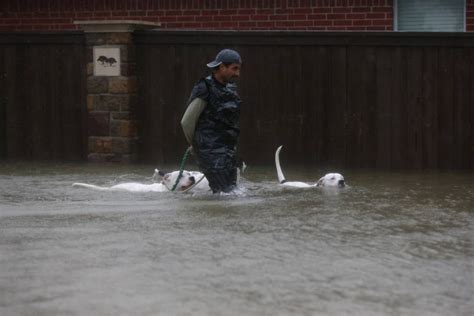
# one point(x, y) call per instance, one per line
point(389, 244)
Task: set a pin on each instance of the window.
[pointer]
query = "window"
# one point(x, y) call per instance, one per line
point(430, 15)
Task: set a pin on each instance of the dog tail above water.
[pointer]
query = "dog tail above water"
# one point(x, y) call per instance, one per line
point(281, 177)
point(89, 186)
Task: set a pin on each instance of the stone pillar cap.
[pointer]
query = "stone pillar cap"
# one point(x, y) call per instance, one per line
point(108, 26)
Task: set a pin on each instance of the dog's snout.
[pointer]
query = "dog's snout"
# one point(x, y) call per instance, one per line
point(192, 179)
point(341, 183)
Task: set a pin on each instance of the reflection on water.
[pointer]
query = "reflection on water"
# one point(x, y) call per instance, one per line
point(389, 244)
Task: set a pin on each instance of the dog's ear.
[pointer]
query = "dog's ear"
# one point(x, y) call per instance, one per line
point(162, 173)
point(155, 174)
point(320, 182)
point(240, 164)
point(243, 166)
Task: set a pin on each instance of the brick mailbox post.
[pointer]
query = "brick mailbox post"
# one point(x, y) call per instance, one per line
point(111, 89)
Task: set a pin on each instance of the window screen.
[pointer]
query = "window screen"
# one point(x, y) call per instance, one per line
point(430, 15)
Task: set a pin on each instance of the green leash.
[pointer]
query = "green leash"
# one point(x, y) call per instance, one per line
point(181, 168)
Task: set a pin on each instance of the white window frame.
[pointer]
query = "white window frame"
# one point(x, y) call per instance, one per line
point(395, 16)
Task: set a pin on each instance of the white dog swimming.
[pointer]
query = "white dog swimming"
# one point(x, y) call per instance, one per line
point(193, 181)
point(335, 180)
point(190, 180)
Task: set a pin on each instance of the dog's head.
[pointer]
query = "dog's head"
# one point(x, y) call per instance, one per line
point(334, 180)
point(169, 179)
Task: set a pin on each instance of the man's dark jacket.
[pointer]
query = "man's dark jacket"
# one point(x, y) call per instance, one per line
point(217, 130)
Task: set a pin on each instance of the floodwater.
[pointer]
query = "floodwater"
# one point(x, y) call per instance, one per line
point(390, 244)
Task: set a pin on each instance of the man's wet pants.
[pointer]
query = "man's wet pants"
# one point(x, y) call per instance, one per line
point(222, 180)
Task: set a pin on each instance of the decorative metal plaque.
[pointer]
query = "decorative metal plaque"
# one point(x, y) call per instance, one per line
point(106, 61)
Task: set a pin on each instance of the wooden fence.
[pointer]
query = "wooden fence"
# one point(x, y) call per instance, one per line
point(42, 105)
point(341, 100)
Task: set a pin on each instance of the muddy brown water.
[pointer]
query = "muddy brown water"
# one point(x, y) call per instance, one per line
point(389, 244)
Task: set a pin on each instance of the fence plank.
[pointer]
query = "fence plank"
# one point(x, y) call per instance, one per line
point(461, 108)
point(336, 116)
point(414, 115)
point(317, 71)
point(16, 114)
point(384, 107)
point(253, 100)
point(398, 119)
point(3, 106)
point(361, 103)
point(470, 135)
point(430, 108)
point(445, 108)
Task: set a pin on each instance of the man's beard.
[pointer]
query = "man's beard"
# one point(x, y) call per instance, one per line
point(232, 79)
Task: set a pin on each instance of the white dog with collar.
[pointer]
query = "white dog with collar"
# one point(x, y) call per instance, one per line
point(190, 180)
point(194, 181)
point(334, 180)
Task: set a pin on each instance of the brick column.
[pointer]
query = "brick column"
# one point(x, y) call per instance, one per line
point(112, 100)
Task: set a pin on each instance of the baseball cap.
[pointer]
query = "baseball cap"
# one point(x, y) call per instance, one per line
point(225, 56)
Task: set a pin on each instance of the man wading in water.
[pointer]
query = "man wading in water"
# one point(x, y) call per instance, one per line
point(211, 121)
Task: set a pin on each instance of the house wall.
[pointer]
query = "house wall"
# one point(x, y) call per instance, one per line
point(320, 15)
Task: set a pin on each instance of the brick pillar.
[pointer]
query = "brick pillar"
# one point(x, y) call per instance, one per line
point(112, 99)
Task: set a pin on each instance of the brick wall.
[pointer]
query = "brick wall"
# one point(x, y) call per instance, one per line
point(324, 15)
point(470, 15)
